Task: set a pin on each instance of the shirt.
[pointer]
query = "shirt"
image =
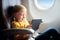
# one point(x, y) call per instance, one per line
point(22, 24)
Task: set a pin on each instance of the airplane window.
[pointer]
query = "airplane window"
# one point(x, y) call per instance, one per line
point(44, 4)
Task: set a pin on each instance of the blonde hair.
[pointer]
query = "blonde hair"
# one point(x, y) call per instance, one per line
point(17, 8)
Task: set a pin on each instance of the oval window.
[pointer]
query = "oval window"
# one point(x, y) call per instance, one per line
point(44, 4)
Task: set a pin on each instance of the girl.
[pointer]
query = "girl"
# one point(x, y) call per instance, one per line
point(19, 20)
point(19, 15)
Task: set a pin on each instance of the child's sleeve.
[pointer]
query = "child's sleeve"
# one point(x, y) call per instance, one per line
point(15, 25)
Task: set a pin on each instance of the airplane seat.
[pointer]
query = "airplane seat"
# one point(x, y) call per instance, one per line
point(9, 32)
point(9, 11)
point(6, 19)
point(2, 21)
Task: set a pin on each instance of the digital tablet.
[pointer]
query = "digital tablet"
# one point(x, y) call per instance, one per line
point(35, 23)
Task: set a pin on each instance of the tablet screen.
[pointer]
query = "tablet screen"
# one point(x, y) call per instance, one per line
point(35, 23)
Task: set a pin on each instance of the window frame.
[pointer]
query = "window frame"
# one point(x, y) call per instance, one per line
point(35, 3)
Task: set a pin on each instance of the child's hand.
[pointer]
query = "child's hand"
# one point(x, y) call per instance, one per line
point(29, 26)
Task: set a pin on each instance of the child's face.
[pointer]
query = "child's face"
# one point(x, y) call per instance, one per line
point(20, 15)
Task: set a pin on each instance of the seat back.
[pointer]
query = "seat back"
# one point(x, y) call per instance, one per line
point(8, 14)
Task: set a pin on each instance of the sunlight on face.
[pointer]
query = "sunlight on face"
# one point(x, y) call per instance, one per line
point(20, 15)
